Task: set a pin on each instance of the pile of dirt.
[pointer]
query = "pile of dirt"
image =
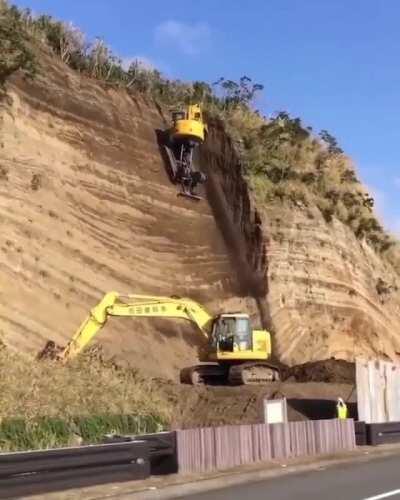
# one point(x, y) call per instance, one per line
point(202, 406)
point(334, 371)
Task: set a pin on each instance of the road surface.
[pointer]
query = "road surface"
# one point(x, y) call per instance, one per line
point(376, 479)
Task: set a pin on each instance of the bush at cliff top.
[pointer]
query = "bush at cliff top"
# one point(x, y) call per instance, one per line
point(15, 53)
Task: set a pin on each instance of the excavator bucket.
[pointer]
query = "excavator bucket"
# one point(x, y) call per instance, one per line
point(182, 173)
point(188, 194)
point(190, 179)
point(50, 351)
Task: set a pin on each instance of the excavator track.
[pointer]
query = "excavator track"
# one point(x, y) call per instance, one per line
point(173, 167)
point(204, 374)
point(253, 373)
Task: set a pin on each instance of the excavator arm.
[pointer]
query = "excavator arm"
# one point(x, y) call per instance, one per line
point(114, 304)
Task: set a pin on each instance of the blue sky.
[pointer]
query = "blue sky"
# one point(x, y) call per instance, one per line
point(334, 63)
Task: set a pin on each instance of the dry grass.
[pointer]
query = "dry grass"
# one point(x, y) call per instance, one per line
point(31, 389)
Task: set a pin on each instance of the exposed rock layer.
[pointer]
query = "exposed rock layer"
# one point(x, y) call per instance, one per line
point(86, 206)
point(325, 298)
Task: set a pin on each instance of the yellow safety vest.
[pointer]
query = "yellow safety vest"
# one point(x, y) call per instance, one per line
point(341, 410)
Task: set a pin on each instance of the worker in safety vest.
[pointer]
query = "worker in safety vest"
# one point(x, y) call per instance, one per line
point(341, 408)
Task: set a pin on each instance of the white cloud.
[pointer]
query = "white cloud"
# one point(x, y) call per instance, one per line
point(188, 38)
point(142, 61)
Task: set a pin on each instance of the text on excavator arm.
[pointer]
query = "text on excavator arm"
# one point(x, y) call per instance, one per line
point(114, 304)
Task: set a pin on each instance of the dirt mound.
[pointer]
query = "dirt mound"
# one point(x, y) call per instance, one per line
point(202, 406)
point(328, 370)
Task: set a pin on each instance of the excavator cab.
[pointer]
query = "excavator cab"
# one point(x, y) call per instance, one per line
point(189, 124)
point(194, 113)
point(178, 115)
point(232, 333)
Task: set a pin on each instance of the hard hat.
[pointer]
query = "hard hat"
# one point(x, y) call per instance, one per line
point(340, 401)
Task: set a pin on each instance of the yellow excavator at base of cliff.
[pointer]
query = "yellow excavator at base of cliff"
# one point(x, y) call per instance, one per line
point(233, 352)
point(187, 132)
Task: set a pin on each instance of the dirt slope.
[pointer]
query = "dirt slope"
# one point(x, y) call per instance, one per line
point(86, 207)
point(325, 298)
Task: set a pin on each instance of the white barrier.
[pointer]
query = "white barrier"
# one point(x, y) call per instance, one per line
point(378, 391)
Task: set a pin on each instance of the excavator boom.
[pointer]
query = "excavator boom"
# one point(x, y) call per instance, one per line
point(114, 304)
point(234, 352)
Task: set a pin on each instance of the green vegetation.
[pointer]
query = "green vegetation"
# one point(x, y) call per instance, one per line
point(15, 53)
point(286, 163)
point(22, 31)
point(43, 433)
point(49, 404)
point(22, 34)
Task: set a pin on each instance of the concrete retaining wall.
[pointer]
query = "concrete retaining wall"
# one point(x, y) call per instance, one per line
point(213, 448)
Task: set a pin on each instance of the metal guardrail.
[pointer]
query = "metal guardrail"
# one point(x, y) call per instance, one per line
point(376, 434)
point(162, 450)
point(383, 433)
point(361, 433)
point(127, 458)
point(37, 472)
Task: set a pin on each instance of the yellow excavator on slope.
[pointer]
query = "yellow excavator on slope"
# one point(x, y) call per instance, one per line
point(188, 131)
point(234, 352)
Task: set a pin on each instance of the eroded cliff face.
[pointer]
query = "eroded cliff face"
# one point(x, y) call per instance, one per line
point(86, 207)
point(330, 294)
point(323, 292)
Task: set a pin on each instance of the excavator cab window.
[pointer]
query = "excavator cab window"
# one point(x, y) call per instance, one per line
point(178, 115)
point(232, 333)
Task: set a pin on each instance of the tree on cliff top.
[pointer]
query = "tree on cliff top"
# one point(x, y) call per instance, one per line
point(14, 51)
point(235, 94)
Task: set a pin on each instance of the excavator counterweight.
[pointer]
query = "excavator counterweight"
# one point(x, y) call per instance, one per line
point(233, 352)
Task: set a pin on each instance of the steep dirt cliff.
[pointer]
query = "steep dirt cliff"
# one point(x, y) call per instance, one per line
point(330, 294)
point(86, 207)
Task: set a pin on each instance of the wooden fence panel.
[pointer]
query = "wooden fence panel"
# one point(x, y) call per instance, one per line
point(204, 450)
